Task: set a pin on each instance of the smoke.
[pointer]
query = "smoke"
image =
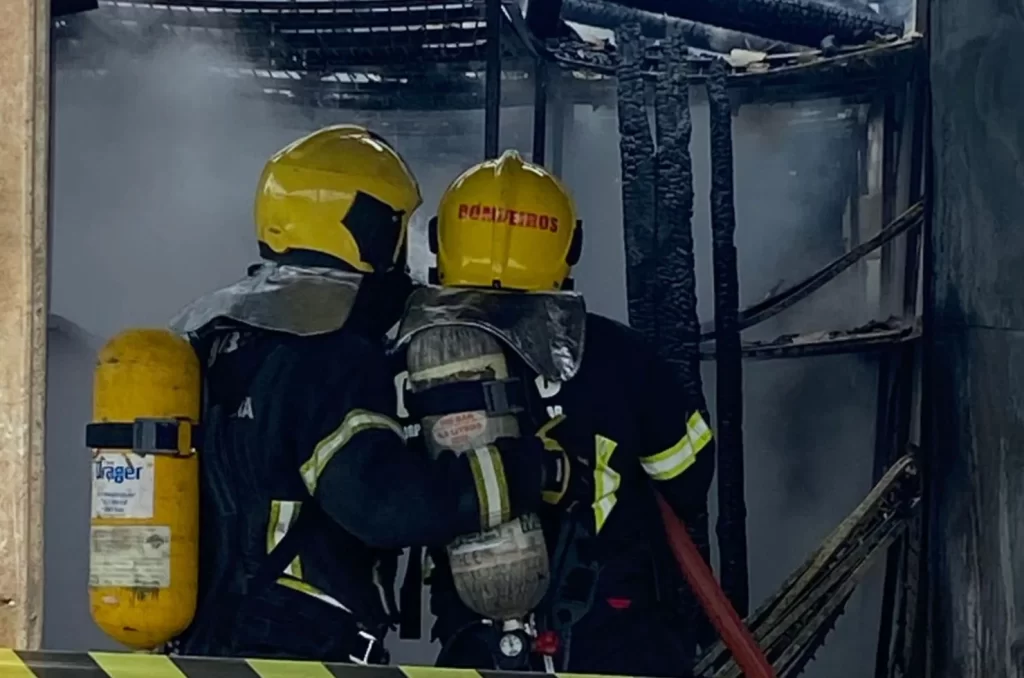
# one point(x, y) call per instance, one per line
point(155, 164)
point(156, 157)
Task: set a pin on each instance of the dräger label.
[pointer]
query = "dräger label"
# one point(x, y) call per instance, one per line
point(135, 556)
point(122, 485)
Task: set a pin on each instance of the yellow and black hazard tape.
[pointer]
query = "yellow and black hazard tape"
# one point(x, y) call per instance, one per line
point(26, 664)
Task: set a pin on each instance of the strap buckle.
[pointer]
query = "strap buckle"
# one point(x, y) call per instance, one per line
point(371, 653)
point(152, 435)
point(496, 396)
point(144, 435)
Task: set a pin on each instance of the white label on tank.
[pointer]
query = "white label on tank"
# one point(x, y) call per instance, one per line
point(138, 556)
point(122, 485)
point(459, 431)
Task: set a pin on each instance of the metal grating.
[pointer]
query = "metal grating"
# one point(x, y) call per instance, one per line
point(312, 35)
point(375, 54)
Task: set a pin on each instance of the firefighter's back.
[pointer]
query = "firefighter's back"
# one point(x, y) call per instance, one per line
point(262, 389)
point(632, 624)
point(603, 407)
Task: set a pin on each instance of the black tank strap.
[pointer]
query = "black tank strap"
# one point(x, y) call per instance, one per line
point(410, 607)
point(496, 398)
point(143, 436)
point(387, 573)
point(574, 576)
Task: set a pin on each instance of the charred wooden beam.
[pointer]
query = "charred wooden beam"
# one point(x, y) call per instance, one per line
point(609, 15)
point(732, 510)
point(636, 148)
point(875, 336)
point(66, 7)
point(803, 22)
point(542, 18)
point(540, 110)
point(908, 222)
point(492, 83)
point(326, 20)
point(675, 301)
point(792, 623)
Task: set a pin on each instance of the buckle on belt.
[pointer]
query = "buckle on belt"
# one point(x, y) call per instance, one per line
point(499, 398)
point(368, 653)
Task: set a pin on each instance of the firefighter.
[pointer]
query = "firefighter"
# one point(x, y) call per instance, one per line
point(506, 236)
point(307, 487)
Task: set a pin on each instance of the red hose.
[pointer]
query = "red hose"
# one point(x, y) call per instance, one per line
point(730, 627)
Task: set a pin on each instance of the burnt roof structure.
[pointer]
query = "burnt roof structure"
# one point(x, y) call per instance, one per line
point(472, 54)
point(388, 54)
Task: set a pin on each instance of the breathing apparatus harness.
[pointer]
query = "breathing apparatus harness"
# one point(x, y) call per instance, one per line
point(574, 576)
point(217, 613)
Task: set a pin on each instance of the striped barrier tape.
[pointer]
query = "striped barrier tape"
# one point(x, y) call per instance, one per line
point(29, 664)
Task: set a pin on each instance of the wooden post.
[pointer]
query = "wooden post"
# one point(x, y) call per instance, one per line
point(976, 303)
point(24, 100)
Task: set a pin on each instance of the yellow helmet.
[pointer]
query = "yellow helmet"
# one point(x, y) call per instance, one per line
point(341, 194)
point(506, 223)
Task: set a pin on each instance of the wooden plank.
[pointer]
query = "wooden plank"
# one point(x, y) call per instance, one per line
point(24, 94)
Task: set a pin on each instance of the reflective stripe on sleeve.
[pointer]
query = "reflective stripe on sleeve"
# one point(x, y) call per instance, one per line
point(491, 486)
point(310, 590)
point(282, 517)
point(699, 432)
point(670, 463)
point(606, 481)
point(354, 422)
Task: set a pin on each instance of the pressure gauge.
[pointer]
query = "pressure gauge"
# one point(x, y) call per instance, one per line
point(511, 645)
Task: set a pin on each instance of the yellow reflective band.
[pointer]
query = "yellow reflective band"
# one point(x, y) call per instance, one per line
point(606, 480)
point(282, 516)
point(676, 459)
point(439, 672)
point(129, 665)
point(275, 532)
point(11, 665)
point(544, 430)
point(491, 486)
point(294, 568)
point(310, 590)
point(354, 422)
point(699, 432)
point(281, 668)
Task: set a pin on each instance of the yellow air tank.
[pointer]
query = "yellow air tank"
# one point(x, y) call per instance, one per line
point(144, 545)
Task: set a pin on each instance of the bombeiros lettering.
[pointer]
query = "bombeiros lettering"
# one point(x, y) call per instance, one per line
point(502, 215)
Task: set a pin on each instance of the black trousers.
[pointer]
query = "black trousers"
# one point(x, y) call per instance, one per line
point(635, 642)
point(282, 623)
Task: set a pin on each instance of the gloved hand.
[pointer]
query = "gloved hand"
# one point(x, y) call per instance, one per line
point(568, 476)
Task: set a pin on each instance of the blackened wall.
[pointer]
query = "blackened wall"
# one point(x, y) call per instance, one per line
point(978, 361)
